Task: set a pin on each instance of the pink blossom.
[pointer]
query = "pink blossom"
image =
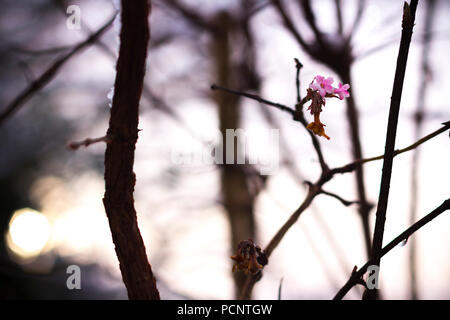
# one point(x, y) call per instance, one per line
point(322, 85)
point(342, 91)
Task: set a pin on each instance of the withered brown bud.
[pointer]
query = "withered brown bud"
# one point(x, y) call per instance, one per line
point(249, 257)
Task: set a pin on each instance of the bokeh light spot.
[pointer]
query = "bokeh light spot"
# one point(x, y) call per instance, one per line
point(29, 232)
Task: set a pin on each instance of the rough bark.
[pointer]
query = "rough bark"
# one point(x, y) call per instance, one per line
point(119, 158)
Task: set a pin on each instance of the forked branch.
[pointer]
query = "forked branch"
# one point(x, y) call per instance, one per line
point(356, 276)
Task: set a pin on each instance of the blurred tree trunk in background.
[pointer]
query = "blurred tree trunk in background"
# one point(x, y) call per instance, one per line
point(233, 59)
point(237, 198)
point(419, 117)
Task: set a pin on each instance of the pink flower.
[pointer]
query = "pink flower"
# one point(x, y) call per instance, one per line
point(342, 91)
point(322, 85)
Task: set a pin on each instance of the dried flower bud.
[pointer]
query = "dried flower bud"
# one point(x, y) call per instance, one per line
point(249, 257)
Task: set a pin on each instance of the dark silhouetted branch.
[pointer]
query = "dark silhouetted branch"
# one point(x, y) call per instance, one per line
point(119, 157)
point(279, 288)
point(298, 67)
point(74, 145)
point(352, 166)
point(299, 116)
point(252, 279)
point(296, 114)
point(50, 73)
point(342, 200)
point(339, 58)
point(409, 12)
point(356, 276)
point(255, 97)
point(314, 190)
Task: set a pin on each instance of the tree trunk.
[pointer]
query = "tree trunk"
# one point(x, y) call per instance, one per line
point(237, 199)
point(119, 158)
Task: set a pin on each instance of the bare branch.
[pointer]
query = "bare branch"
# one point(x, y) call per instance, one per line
point(356, 276)
point(409, 12)
point(297, 116)
point(352, 166)
point(255, 97)
point(252, 279)
point(314, 190)
point(298, 66)
point(74, 145)
point(50, 73)
point(342, 200)
point(279, 288)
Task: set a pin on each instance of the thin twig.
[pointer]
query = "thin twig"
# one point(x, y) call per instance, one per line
point(391, 42)
point(255, 97)
point(409, 12)
point(356, 276)
point(298, 66)
point(50, 73)
point(314, 190)
point(276, 239)
point(279, 288)
point(317, 187)
point(350, 167)
point(342, 200)
point(324, 261)
point(74, 145)
point(299, 116)
point(339, 59)
point(285, 150)
point(147, 93)
point(296, 114)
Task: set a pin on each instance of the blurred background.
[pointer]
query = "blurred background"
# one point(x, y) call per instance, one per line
point(192, 213)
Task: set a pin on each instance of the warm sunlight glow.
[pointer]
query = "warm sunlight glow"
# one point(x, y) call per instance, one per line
point(29, 232)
